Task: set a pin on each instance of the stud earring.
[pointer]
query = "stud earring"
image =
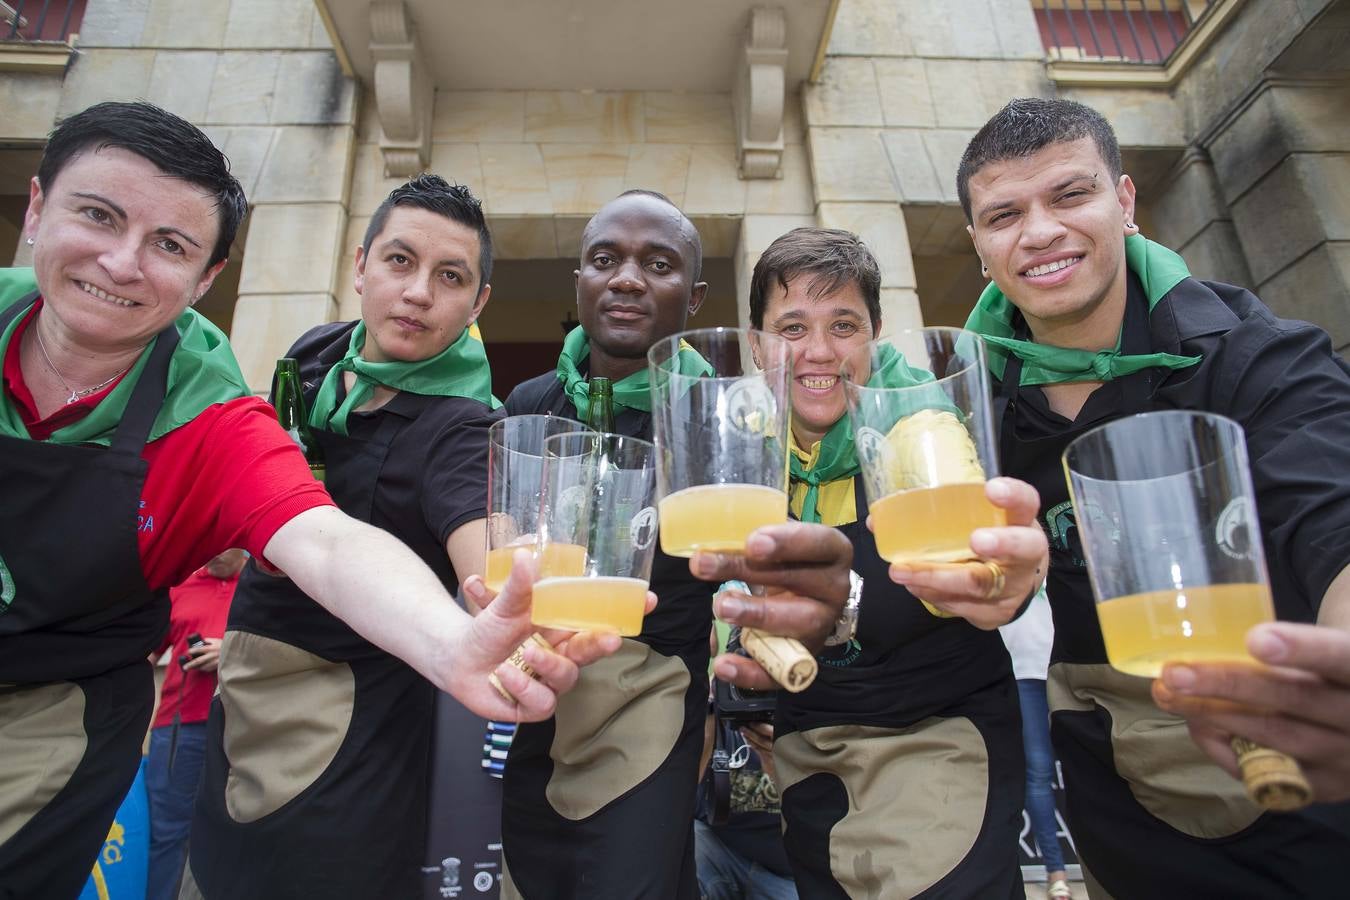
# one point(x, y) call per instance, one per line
point(1130, 226)
point(30, 242)
point(984, 270)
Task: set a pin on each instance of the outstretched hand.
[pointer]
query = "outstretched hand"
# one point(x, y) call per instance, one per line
point(974, 591)
point(494, 634)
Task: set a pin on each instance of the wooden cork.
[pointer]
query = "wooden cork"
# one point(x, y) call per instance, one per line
point(517, 659)
point(786, 660)
point(1273, 779)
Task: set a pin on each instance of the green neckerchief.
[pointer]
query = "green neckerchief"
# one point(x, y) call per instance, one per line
point(631, 391)
point(202, 372)
point(836, 458)
point(1158, 270)
point(460, 370)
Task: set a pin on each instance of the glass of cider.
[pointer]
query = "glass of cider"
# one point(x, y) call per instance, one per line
point(720, 408)
point(1166, 514)
point(597, 533)
point(918, 404)
point(515, 487)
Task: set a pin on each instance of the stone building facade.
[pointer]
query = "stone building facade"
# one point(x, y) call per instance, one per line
point(754, 119)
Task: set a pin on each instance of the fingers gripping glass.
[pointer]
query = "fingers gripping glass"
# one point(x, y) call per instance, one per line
point(720, 418)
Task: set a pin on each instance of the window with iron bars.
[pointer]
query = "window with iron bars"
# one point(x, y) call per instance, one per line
point(32, 21)
point(1130, 31)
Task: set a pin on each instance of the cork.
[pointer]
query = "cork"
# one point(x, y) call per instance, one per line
point(1273, 779)
point(517, 659)
point(786, 660)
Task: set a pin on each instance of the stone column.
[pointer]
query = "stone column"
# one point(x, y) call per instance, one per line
point(1282, 164)
point(1191, 216)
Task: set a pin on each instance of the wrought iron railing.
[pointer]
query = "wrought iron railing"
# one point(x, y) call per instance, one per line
point(1130, 31)
point(40, 20)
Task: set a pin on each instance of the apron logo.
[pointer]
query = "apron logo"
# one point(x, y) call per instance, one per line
point(1061, 527)
point(7, 588)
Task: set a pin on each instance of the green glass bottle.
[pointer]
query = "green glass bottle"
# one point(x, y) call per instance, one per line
point(289, 400)
point(600, 416)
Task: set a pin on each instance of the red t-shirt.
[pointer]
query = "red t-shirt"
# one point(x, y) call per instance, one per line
point(229, 478)
point(200, 606)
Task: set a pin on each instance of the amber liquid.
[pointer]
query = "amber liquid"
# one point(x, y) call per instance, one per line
point(718, 517)
point(932, 524)
point(1142, 631)
point(559, 559)
point(604, 603)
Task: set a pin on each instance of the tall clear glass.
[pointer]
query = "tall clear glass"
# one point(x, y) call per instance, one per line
point(720, 408)
point(919, 407)
point(1166, 513)
point(515, 485)
point(597, 533)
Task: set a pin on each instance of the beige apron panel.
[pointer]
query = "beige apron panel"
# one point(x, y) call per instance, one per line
point(286, 715)
point(916, 799)
point(1167, 773)
point(42, 740)
point(615, 728)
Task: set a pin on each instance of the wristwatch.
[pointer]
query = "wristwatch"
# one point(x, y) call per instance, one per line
point(846, 627)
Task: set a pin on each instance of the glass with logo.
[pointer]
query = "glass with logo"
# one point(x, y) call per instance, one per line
point(918, 404)
point(1167, 516)
point(597, 533)
point(720, 407)
point(515, 488)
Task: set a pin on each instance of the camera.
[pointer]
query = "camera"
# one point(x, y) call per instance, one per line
point(194, 641)
point(738, 705)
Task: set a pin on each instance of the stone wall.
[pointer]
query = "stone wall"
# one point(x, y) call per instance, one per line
point(544, 161)
point(904, 88)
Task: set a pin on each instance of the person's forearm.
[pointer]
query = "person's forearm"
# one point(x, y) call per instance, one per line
point(1335, 609)
point(371, 581)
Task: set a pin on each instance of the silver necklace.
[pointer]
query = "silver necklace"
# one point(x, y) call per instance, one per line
point(74, 394)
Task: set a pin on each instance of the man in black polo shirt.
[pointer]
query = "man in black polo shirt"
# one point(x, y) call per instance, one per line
point(599, 800)
point(1088, 321)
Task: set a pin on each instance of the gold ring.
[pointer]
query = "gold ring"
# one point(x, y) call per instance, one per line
point(997, 580)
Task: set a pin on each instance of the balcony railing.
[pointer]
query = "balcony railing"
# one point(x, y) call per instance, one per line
point(35, 21)
point(1146, 32)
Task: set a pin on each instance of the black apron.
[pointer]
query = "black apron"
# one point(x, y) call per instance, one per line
point(901, 767)
point(353, 823)
point(76, 691)
point(1150, 816)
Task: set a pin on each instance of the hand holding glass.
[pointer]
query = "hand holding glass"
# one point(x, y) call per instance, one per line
point(1167, 516)
point(720, 418)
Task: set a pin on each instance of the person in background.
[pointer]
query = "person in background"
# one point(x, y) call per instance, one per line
point(198, 608)
point(1028, 638)
point(1087, 321)
point(740, 856)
